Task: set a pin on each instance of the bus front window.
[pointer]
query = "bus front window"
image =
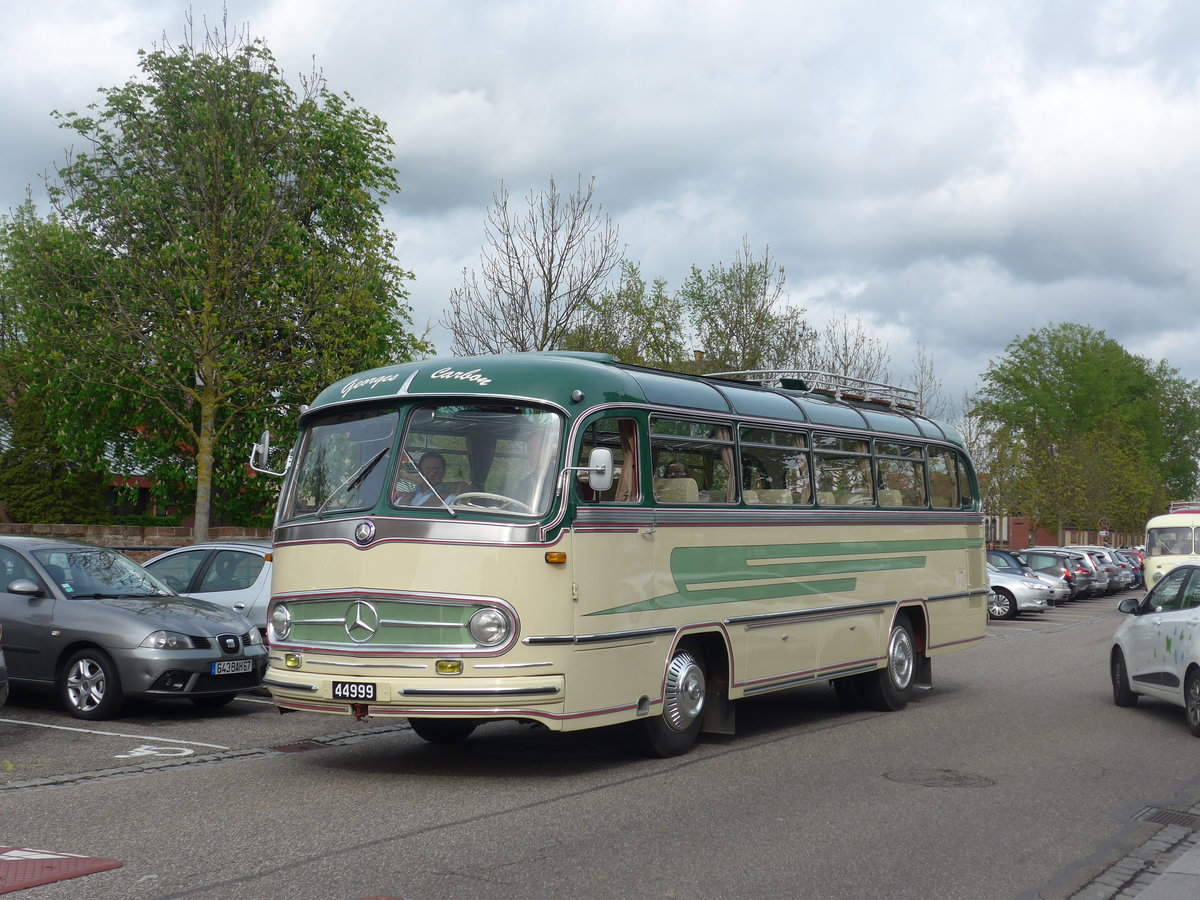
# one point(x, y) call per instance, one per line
point(499, 457)
point(341, 463)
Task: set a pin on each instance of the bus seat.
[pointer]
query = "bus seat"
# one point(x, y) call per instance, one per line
point(750, 496)
point(890, 498)
point(676, 490)
point(825, 498)
point(775, 497)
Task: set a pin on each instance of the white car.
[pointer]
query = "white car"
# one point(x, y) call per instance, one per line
point(1012, 594)
point(233, 574)
point(1156, 649)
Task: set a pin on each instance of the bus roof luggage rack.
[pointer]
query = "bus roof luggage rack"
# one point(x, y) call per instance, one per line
point(1184, 506)
point(839, 387)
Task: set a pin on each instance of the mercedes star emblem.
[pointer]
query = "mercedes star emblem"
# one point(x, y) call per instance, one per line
point(362, 621)
point(364, 532)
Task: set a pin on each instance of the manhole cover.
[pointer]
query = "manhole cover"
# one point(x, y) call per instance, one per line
point(939, 778)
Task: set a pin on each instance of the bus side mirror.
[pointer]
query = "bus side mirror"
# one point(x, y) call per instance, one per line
point(600, 470)
point(260, 455)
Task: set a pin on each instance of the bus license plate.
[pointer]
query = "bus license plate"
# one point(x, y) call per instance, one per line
point(232, 666)
point(354, 690)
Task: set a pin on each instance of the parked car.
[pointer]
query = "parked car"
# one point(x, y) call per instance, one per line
point(1008, 562)
point(1062, 564)
point(233, 574)
point(1156, 650)
point(1136, 565)
point(1119, 578)
point(3, 672)
point(1100, 574)
point(98, 628)
point(1013, 594)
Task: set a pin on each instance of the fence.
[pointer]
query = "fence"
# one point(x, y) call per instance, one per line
point(138, 542)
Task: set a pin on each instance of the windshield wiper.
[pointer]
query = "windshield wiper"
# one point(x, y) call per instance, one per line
point(353, 480)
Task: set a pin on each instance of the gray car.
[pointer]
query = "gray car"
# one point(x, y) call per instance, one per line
point(98, 628)
point(3, 672)
point(1013, 594)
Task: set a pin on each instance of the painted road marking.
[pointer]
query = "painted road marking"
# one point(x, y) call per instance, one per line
point(139, 737)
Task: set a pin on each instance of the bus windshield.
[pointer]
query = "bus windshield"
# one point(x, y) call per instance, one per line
point(341, 463)
point(498, 456)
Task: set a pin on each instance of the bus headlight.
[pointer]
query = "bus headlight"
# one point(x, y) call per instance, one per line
point(490, 626)
point(280, 624)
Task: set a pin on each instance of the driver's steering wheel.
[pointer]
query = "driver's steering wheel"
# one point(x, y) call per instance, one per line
point(484, 495)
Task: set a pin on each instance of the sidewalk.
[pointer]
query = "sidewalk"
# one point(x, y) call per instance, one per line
point(1166, 867)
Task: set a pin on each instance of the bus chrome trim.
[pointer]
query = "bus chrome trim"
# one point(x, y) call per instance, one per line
point(313, 664)
point(409, 528)
point(290, 686)
point(783, 618)
point(474, 692)
point(601, 638)
point(535, 665)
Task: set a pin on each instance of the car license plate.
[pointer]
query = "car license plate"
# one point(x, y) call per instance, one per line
point(232, 666)
point(354, 690)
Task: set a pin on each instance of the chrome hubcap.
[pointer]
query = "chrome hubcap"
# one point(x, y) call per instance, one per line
point(685, 692)
point(85, 685)
point(901, 658)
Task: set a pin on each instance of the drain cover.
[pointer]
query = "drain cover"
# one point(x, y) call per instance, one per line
point(1169, 817)
point(21, 867)
point(939, 778)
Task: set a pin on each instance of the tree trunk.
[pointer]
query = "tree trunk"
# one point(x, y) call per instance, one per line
point(204, 463)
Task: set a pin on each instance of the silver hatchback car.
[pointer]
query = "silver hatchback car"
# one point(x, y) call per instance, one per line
point(98, 628)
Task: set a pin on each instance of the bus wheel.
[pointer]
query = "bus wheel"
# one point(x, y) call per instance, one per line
point(676, 730)
point(892, 686)
point(443, 731)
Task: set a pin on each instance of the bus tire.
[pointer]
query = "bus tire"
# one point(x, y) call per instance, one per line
point(891, 687)
point(443, 731)
point(676, 730)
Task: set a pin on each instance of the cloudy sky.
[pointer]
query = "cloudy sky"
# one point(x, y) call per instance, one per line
point(957, 174)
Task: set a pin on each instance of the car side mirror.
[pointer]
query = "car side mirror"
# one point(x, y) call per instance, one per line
point(1128, 605)
point(26, 586)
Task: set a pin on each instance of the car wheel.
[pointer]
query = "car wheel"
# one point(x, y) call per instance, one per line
point(1191, 701)
point(892, 687)
point(1123, 695)
point(90, 686)
point(214, 701)
point(443, 731)
point(1002, 604)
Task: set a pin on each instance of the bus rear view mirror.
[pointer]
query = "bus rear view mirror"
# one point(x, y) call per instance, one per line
point(600, 469)
point(260, 455)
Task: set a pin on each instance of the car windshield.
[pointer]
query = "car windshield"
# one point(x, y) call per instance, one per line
point(95, 572)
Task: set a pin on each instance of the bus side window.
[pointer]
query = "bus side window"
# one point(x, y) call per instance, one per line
point(619, 436)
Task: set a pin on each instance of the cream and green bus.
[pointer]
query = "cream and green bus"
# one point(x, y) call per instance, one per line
point(561, 539)
point(1172, 539)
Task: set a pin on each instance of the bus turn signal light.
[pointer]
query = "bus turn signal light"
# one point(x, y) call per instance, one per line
point(555, 557)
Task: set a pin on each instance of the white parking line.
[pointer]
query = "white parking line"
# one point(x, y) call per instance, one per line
point(140, 737)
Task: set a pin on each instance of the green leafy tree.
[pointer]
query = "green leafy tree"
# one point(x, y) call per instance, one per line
point(215, 255)
point(634, 324)
point(741, 317)
point(1100, 432)
point(38, 483)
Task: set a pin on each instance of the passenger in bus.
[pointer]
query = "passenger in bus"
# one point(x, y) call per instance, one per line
point(676, 469)
point(433, 466)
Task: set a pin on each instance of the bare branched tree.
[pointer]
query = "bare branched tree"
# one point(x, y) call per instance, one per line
point(845, 347)
point(536, 273)
point(931, 399)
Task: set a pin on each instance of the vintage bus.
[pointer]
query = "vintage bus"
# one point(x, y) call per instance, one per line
point(561, 539)
point(1172, 539)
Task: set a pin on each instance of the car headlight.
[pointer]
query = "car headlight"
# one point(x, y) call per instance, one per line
point(168, 640)
point(490, 626)
point(253, 638)
point(280, 625)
